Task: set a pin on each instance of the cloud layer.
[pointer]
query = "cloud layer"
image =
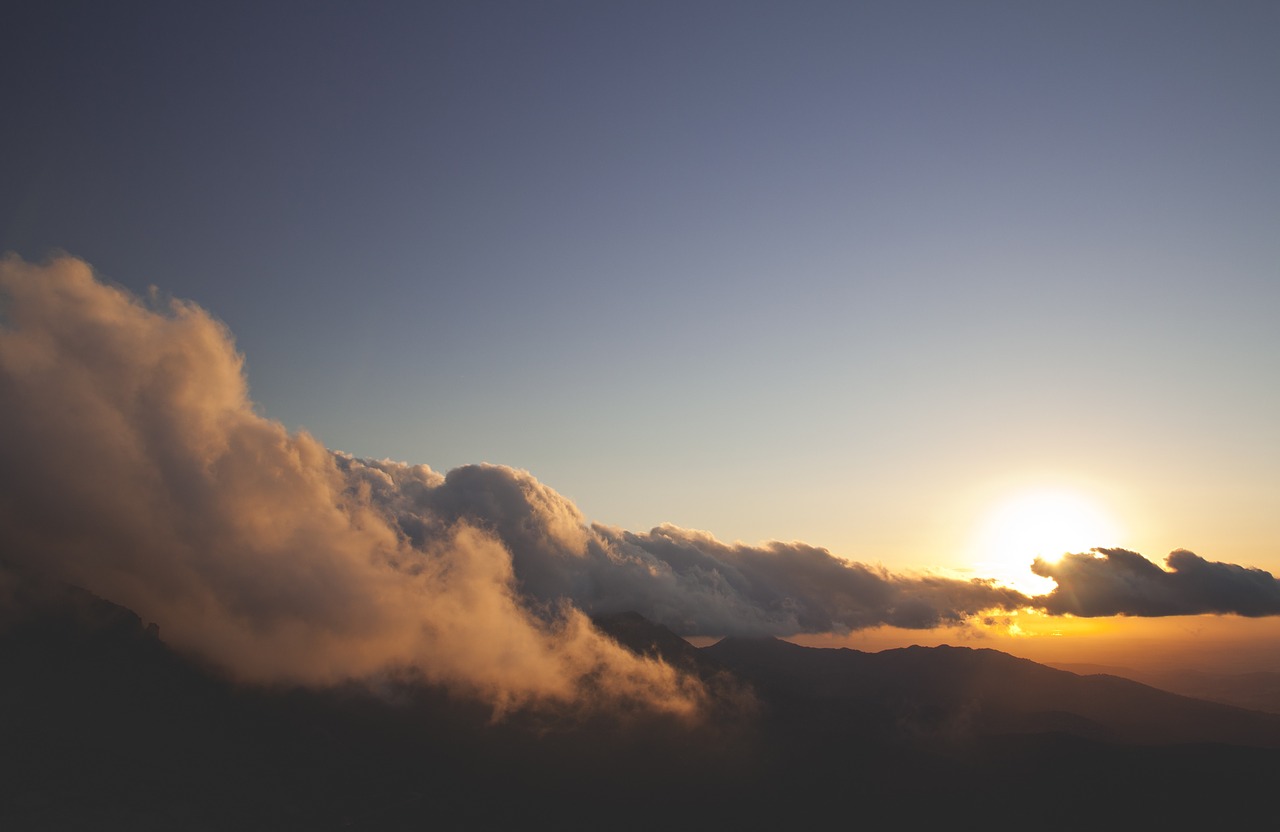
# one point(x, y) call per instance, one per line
point(132, 463)
point(682, 578)
point(1120, 582)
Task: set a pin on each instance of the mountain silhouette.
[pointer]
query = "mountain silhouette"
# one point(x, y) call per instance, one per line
point(103, 726)
point(1257, 690)
point(953, 692)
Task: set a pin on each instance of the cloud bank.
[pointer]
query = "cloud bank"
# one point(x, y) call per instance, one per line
point(132, 463)
point(1120, 582)
point(684, 579)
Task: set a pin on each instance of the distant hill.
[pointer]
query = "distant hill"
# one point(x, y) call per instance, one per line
point(955, 692)
point(102, 726)
point(1257, 691)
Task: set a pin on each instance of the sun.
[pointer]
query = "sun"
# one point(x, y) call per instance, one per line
point(1043, 523)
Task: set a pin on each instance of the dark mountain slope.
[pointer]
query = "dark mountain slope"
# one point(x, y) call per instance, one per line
point(104, 727)
point(973, 737)
point(958, 691)
point(646, 638)
point(1256, 691)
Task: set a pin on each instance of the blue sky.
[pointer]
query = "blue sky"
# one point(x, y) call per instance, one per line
point(839, 272)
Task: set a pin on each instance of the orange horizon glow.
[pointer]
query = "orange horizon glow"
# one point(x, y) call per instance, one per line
point(1209, 643)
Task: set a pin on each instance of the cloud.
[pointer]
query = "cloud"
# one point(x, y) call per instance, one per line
point(787, 588)
point(1120, 582)
point(133, 464)
point(684, 579)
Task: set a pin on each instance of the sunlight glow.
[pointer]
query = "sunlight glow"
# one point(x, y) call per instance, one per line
point(1039, 524)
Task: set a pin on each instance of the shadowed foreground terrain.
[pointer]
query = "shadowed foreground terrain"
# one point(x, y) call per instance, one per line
point(102, 726)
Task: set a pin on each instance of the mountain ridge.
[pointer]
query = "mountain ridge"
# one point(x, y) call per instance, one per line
point(1017, 694)
point(107, 728)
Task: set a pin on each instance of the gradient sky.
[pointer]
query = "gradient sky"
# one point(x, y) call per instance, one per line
point(848, 273)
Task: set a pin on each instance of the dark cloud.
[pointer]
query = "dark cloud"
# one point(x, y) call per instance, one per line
point(1120, 582)
point(786, 588)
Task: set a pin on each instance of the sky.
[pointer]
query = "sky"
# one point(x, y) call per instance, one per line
point(856, 276)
